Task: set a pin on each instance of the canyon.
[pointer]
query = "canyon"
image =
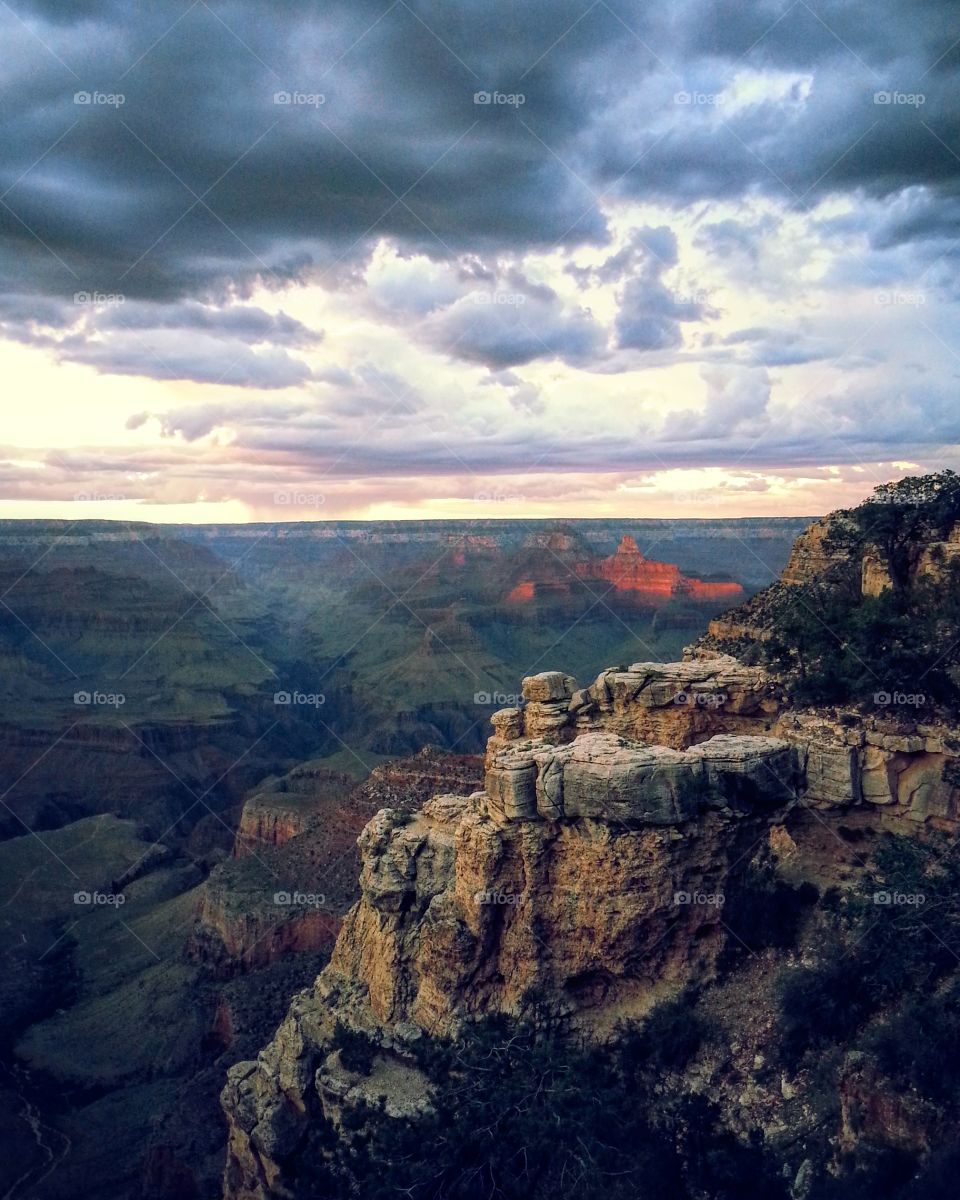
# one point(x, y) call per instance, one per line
point(595, 864)
point(629, 809)
point(590, 877)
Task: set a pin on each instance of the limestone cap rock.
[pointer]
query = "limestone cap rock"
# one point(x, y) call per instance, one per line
point(604, 776)
point(548, 686)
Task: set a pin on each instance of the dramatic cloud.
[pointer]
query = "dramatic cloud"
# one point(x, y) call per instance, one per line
point(412, 239)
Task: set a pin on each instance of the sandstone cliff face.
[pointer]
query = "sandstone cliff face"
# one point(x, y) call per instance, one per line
point(243, 929)
point(626, 572)
point(478, 902)
point(284, 808)
point(590, 871)
point(591, 874)
point(270, 820)
point(811, 556)
point(629, 571)
point(295, 865)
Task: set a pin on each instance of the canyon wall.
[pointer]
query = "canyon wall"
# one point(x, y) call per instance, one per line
point(629, 571)
point(295, 865)
point(889, 760)
point(589, 874)
point(626, 572)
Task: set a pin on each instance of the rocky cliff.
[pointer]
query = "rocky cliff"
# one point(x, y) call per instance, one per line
point(629, 571)
point(590, 870)
point(556, 564)
point(597, 871)
point(900, 764)
point(591, 873)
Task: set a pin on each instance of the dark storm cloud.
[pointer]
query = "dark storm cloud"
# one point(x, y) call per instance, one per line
point(199, 183)
point(650, 313)
point(507, 329)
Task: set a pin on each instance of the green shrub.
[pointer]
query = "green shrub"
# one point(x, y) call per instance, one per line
point(765, 912)
point(819, 1005)
point(919, 1048)
point(518, 1116)
point(665, 1040)
point(357, 1049)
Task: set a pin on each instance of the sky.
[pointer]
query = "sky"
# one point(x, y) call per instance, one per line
point(470, 258)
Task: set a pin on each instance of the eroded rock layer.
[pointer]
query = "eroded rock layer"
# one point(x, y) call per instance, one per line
point(592, 874)
point(846, 759)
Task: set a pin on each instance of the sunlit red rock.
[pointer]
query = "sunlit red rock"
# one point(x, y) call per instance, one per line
point(627, 571)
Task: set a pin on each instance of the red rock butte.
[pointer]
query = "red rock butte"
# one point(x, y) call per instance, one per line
point(629, 571)
point(647, 579)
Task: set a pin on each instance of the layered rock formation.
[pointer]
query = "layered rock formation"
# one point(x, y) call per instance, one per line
point(629, 571)
point(591, 873)
point(295, 865)
point(847, 759)
point(812, 556)
point(478, 901)
point(671, 704)
point(276, 813)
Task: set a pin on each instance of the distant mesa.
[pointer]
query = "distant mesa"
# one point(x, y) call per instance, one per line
point(629, 571)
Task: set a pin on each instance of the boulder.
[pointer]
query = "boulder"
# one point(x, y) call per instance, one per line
point(548, 685)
